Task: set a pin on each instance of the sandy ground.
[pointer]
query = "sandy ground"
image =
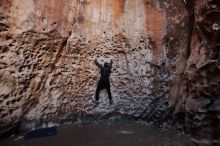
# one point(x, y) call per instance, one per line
point(104, 134)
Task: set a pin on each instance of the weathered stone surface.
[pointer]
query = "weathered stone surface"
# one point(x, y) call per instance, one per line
point(196, 84)
point(165, 54)
point(48, 53)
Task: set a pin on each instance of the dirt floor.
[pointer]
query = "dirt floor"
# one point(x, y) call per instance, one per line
point(104, 134)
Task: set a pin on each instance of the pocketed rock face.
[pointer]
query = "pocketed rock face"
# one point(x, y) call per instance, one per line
point(48, 48)
point(26, 61)
point(165, 60)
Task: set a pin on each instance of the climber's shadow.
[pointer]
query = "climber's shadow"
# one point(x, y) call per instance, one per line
point(39, 133)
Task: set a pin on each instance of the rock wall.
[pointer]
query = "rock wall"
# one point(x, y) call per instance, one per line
point(47, 60)
point(165, 62)
point(196, 84)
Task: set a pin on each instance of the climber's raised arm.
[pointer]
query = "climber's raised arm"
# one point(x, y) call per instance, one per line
point(97, 64)
point(111, 62)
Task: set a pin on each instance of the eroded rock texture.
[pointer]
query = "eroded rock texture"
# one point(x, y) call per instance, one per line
point(165, 54)
point(195, 86)
point(47, 60)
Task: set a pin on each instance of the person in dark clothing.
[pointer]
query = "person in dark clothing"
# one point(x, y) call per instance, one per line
point(104, 80)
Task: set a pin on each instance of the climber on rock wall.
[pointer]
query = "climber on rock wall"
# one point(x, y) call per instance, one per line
point(104, 82)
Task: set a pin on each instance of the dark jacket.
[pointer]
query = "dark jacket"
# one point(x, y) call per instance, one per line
point(105, 70)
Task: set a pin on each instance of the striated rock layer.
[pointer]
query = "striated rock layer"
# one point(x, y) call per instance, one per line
point(165, 62)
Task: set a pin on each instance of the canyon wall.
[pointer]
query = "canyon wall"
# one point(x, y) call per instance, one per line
point(165, 62)
point(196, 83)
